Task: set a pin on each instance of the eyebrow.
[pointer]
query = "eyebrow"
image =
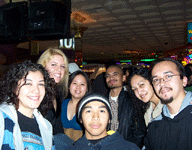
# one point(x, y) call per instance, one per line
point(86, 107)
point(32, 80)
point(163, 73)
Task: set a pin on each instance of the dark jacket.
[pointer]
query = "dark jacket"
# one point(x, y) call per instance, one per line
point(112, 142)
point(131, 129)
point(99, 85)
point(55, 118)
point(165, 133)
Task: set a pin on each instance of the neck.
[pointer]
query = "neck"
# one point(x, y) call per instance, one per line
point(74, 100)
point(91, 137)
point(175, 106)
point(115, 92)
point(27, 113)
point(155, 100)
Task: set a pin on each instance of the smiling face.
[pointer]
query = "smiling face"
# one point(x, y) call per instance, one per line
point(95, 119)
point(114, 77)
point(170, 90)
point(31, 92)
point(56, 67)
point(142, 88)
point(78, 87)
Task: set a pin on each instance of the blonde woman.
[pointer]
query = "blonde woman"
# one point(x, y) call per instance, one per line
point(56, 63)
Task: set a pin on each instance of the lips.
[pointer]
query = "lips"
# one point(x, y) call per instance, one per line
point(95, 126)
point(77, 92)
point(143, 95)
point(165, 90)
point(34, 98)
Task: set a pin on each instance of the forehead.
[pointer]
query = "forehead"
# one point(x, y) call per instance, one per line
point(80, 77)
point(57, 57)
point(114, 69)
point(94, 104)
point(136, 78)
point(163, 67)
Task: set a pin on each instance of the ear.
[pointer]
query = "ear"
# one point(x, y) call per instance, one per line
point(184, 81)
point(124, 78)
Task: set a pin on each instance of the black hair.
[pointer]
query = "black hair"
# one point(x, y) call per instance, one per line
point(112, 66)
point(143, 72)
point(139, 105)
point(9, 85)
point(180, 67)
point(188, 70)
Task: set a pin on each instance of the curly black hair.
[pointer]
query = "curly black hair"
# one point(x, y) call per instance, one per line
point(18, 71)
point(140, 106)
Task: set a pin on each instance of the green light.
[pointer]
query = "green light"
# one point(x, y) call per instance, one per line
point(147, 59)
point(124, 61)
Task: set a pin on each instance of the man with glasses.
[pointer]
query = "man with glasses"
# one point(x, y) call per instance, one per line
point(123, 114)
point(172, 130)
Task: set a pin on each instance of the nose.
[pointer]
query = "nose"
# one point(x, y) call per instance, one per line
point(35, 89)
point(95, 116)
point(161, 81)
point(58, 68)
point(111, 77)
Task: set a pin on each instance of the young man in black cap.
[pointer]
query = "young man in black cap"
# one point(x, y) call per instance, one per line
point(94, 112)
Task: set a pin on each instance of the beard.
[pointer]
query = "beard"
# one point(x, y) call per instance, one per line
point(111, 86)
point(166, 101)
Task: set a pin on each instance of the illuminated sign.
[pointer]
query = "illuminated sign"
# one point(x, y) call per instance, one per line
point(124, 61)
point(147, 59)
point(189, 32)
point(67, 43)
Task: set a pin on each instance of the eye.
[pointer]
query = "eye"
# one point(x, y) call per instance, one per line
point(102, 111)
point(141, 85)
point(41, 84)
point(28, 83)
point(168, 76)
point(53, 64)
point(83, 84)
point(88, 111)
point(155, 80)
point(63, 67)
point(115, 74)
point(107, 76)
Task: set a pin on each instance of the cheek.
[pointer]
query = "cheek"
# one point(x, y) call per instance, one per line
point(71, 88)
point(63, 72)
point(49, 69)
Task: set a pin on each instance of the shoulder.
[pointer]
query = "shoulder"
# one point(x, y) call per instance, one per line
point(65, 101)
point(117, 142)
point(82, 143)
point(41, 120)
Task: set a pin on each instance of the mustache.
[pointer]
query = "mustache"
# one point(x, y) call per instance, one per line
point(111, 81)
point(164, 87)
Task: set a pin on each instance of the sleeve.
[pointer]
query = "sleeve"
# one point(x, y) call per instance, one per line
point(1, 129)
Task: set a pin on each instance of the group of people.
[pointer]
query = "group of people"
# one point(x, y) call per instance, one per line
point(43, 106)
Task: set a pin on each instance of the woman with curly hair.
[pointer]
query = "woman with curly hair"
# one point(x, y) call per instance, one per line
point(25, 91)
point(56, 63)
point(141, 84)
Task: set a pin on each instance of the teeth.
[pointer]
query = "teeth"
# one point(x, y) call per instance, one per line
point(34, 98)
point(57, 75)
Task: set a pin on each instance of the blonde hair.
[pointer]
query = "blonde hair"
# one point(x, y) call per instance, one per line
point(46, 57)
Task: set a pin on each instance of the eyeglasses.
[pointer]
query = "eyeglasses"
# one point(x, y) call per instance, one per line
point(166, 78)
